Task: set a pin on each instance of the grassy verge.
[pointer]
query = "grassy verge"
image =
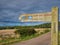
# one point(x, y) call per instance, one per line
point(13, 40)
point(10, 41)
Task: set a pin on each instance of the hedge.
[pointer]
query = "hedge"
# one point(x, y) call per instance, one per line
point(25, 32)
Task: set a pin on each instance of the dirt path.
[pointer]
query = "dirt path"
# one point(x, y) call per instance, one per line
point(41, 40)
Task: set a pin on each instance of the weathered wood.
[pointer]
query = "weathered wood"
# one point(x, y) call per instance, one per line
point(54, 26)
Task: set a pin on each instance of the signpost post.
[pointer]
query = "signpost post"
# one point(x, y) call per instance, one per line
point(54, 26)
point(45, 17)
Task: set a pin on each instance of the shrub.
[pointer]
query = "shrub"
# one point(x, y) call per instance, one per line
point(25, 32)
point(47, 31)
point(41, 32)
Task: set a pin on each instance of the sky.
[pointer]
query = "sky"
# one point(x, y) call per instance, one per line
point(10, 10)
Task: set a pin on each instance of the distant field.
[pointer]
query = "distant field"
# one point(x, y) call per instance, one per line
point(12, 30)
point(7, 31)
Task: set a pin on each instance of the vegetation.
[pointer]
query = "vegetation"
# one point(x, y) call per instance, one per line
point(45, 25)
point(46, 30)
point(13, 40)
point(25, 32)
point(6, 27)
point(25, 35)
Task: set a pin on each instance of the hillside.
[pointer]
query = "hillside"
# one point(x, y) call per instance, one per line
point(45, 25)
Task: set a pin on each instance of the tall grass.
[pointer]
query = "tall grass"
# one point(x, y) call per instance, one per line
point(22, 38)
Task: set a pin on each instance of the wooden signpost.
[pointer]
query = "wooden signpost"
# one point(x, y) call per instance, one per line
point(45, 17)
point(38, 17)
point(54, 26)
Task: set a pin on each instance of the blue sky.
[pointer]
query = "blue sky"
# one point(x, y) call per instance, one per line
point(10, 10)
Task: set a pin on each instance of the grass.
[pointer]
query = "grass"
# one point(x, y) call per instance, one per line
point(13, 40)
point(10, 41)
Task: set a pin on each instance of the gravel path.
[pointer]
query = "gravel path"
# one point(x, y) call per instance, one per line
point(41, 40)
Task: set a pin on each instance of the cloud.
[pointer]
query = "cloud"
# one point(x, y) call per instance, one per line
point(10, 10)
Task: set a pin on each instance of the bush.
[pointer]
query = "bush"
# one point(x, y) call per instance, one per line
point(41, 32)
point(25, 32)
point(47, 31)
